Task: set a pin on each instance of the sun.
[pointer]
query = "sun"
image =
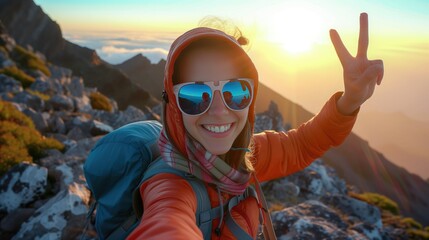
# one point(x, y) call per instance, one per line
point(295, 28)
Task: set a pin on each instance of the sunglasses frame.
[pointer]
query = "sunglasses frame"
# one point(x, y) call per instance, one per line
point(214, 88)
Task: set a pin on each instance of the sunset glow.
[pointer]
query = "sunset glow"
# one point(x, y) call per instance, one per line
point(297, 28)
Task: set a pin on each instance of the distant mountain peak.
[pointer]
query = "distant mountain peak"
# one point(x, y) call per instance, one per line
point(138, 59)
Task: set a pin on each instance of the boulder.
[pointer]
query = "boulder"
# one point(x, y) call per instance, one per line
point(62, 217)
point(7, 42)
point(59, 72)
point(61, 103)
point(83, 147)
point(22, 184)
point(263, 122)
point(131, 114)
point(314, 182)
point(32, 101)
point(12, 221)
point(75, 87)
point(9, 85)
point(46, 86)
point(352, 207)
point(309, 220)
point(98, 128)
point(76, 133)
point(82, 104)
point(57, 125)
point(38, 119)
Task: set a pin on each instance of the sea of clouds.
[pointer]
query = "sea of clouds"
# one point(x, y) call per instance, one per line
point(117, 47)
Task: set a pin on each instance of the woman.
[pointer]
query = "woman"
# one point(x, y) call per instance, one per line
point(210, 88)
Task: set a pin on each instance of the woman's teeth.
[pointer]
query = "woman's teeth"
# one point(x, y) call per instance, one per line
point(217, 128)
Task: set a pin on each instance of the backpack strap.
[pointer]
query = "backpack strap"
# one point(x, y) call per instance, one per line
point(233, 226)
point(204, 214)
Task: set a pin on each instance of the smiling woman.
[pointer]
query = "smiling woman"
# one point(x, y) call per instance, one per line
point(296, 28)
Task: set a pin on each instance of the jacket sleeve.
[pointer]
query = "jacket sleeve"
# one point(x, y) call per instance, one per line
point(169, 210)
point(278, 154)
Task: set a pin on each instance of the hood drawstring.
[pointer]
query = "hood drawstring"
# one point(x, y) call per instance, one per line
point(217, 230)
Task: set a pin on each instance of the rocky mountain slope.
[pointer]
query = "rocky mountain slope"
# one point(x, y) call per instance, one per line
point(29, 25)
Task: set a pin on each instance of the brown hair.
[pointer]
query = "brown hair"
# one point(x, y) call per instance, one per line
point(238, 158)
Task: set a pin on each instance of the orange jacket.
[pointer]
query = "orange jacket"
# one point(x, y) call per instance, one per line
point(170, 203)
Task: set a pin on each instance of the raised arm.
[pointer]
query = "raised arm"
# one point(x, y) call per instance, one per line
point(278, 154)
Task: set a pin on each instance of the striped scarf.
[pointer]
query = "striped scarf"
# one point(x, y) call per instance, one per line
point(204, 165)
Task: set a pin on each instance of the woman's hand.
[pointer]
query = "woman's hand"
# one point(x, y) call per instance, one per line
point(360, 74)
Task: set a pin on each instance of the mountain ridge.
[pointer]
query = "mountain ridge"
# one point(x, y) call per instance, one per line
point(23, 17)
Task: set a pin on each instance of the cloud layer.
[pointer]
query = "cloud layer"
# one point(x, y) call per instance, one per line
point(115, 50)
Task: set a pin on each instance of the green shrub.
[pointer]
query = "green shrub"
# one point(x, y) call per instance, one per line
point(100, 102)
point(381, 201)
point(18, 75)
point(427, 228)
point(28, 59)
point(9, 113)
point(19, 140)
point(411, 223)
point(42, 96)
point(12, 152)
point(417, 234)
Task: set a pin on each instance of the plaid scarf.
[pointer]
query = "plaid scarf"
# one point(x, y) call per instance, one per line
point(204, 165)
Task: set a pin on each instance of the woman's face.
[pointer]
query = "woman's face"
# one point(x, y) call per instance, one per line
point(219, 126)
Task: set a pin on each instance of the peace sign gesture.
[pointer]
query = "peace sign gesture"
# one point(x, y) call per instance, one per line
point(360, 74)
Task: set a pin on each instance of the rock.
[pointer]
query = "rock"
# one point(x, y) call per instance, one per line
point(131, 114)
point(12, 222)
point(275, 115)
point(285, 191)
point(69, 144)
point(353, 207)
point(76, 134)
point(30, 100)
point(53, 220)
point(75, 87)
point(81, 121)
point(82, 104)
point(46, 86)
point(59, 72)
point(57, 125)
point(39, 121)
point(83, 147)
point(7, 42)
point(22, 184)
point(108, 118)
point(262, 122)
point(368, 230)
point(4, 63)
point(313, 182)
point(99, 128)
point(9, 85)
point(61, 102)
point(309, 220)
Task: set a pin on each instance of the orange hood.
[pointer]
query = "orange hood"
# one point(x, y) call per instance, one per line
point(172, 116)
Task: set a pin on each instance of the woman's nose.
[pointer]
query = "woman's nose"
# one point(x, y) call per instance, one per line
point(218, 106)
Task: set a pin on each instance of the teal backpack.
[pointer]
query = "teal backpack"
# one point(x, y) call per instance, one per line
point(120, 162)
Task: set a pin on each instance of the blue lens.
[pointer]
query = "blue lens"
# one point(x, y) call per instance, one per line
point(237, 94)
point(195, 98)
